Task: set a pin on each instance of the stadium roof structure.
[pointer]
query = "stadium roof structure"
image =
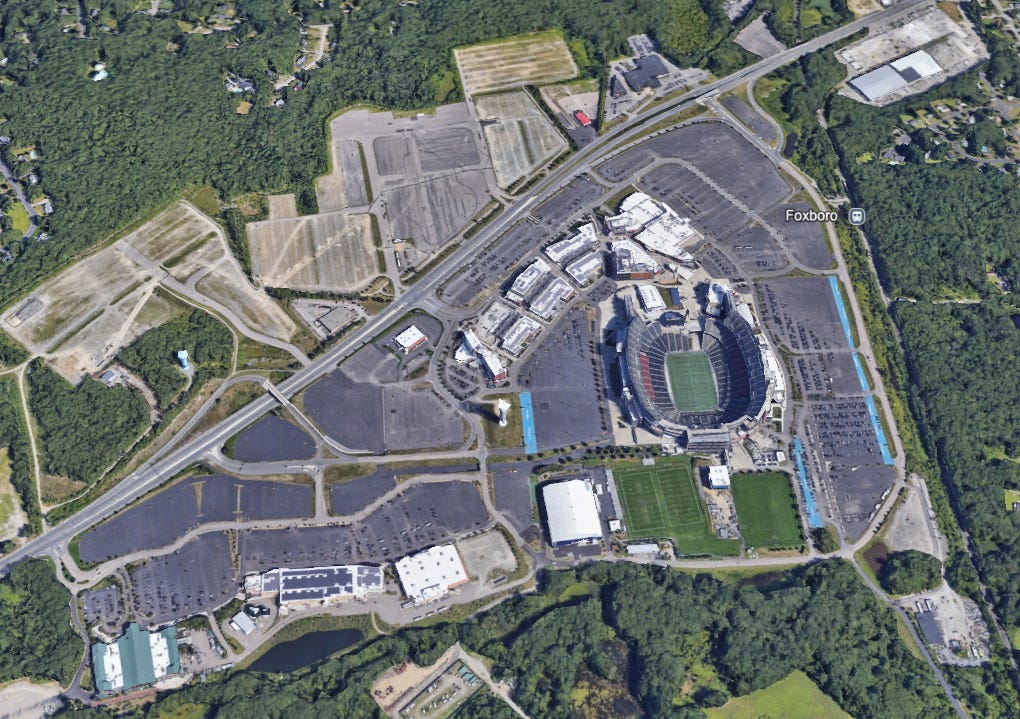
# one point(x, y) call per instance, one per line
point(431, 574)
point(571, 511)
point(136, 659)
point(737, 368)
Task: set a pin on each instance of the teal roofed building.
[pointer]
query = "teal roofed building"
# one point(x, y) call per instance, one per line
point(136, 659)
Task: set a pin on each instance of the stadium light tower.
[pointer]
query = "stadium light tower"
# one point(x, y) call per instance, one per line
point(502, 407)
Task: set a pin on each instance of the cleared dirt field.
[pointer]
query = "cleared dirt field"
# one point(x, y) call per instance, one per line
point(567, 99)
point(333, 252)
point(282, 206)
point(345, 186)
point(487, 555)
point(519, 135)
point(533, 59)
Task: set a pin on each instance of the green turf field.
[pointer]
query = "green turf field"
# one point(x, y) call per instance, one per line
point(796, 697)
point(663, 501)
point(766, 510)
point(691, 382)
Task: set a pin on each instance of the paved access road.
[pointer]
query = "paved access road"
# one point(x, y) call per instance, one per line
point(152, 475)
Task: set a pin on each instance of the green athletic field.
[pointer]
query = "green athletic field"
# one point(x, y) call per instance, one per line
point(663, 501)
point(766, 510)
point(691, 382)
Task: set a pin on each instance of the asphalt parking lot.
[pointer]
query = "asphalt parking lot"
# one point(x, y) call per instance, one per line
point(826, 374)
point(858, 489)
point(580, 194)
point(171, 513)
point(560, 375)
point(806, 240)
point(489, 268)
point(690, 196)
point(513, 496)
point(424, 515)
point(196, 578)
point(802, 312)
point(105, 608)
point(273, 439)
point(758, 253)
point(844, 431)
point(750, 117)
point(353, 496)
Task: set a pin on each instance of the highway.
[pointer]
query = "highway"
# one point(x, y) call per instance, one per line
point(153, 474)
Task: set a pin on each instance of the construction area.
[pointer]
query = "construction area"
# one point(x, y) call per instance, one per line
point(519, 135)
point(535, 59)
point(83, 316)
point(332, 252)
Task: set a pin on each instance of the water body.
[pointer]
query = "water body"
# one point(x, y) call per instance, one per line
point(304, 651)
point(791, 142)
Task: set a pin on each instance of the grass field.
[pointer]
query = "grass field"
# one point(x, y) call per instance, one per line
point(1012, 497)
point(766, 510)
point(796, 697)
point(663, 501)
point(691, 382)
point(18, 215)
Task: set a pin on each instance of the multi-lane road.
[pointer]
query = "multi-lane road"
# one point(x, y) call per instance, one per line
point(151, 475)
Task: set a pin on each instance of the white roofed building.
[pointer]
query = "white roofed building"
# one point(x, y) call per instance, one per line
point(585, 239)
point(655, 225)
point(546, 304)
point(630, 261)
point(528, 282)
point(650, 298)
point(493, 364)
point(571, 512)
point(316, 585)
point(430, 575)
point(585, 269)
point(719, 477)
point(518, 335)
point(410, 339)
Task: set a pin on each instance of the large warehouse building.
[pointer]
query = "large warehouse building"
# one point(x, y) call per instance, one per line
point(887, 79)
point(136, 659)
point(316, 585)
point(430, 575)
point(571, 512)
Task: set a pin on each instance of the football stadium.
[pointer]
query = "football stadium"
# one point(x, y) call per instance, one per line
point(683, 380)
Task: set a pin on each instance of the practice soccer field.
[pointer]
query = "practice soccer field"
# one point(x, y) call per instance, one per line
point(691, 383)
point(766, 510)
point(663, 501)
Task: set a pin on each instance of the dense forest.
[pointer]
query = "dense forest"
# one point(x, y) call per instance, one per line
point(662, 639)
point(36, 638)
point(83, 429)
point(910, 572)
point(14, 438)
point(163, 121)
point(210, 347)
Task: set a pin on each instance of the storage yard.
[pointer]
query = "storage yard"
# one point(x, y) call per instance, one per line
point(534, 59)
point(318, 253)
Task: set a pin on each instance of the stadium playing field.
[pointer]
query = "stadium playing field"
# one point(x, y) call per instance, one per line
point(691, 383)
point(663, 501)
point(766, 510)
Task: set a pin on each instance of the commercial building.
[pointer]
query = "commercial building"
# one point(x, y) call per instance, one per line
point(242, 623)
point(182, 357)
point(585, 239)
point(430, 575)
point(582, 118)
point(516, 337)
point(471, 348)
point(410, 339)
point(887, 79)
point(586, 269)
point(492, 364)
point(316, 585)
point(528, 282)
point(571, 512)
point(631, 262)
point(646, 73)
point(655, 225)
point(136, 659)
point(548, 300)
point(719, 476)
point(650, 298)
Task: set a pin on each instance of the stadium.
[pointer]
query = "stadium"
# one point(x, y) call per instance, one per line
point(684, 380)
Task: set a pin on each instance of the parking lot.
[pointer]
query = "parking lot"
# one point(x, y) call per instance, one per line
point(355, 495)
point(857, 490)
point(750, 117)
point(844, 431)
point(490, 266)
point(513, 496)
point(802, 312)
point(171, 513)
point(273, 439)
point(383, 418)
point(580, 194)
point(757, 251)
point(826, 374)
point(560, 375)
point(105, 608)
point(806, 240)
point(424, 515)
point(198, 577)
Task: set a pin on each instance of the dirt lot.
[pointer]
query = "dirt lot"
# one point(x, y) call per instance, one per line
point(567, 99)
point(532, 59)
point(24, 699)
point(331, 252)
point(397, 681)
point(282, 206)
point(909, 527)
point(520, 137)
point(487, 555)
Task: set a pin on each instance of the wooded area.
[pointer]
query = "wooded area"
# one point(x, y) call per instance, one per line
point(36, 638)
point(14, 437)
point(83, 429)
point(153, 356)
point(672, 642)
point(910, 572)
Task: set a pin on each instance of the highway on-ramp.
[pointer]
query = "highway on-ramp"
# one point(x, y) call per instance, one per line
point(153, 474)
